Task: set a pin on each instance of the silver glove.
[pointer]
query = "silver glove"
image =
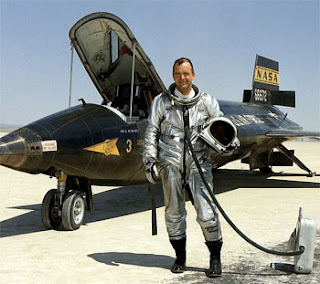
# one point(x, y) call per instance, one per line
point(152, 173)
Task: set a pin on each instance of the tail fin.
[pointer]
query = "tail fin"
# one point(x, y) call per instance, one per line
point(265, 85)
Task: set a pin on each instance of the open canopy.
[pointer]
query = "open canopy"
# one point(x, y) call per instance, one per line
point(108, 51)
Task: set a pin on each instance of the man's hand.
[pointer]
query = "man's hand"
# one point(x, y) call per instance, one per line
point(232, 148)
point(152, 173)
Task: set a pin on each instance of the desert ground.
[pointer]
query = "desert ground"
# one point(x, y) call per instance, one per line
point(115, 245)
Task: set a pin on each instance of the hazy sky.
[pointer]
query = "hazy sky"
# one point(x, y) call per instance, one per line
point(221, 37)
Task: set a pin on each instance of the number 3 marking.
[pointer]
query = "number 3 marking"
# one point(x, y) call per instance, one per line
point(129, 148)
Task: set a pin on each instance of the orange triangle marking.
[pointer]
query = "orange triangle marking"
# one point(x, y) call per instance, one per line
point(107, 147)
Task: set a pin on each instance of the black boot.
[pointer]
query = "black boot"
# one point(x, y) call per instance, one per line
point(215, 269)
point(179, 246)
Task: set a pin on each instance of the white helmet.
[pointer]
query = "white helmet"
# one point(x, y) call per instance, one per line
point(221, 134)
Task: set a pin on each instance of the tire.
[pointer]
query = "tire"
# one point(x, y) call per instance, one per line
point(50, 215)
point(73, 211)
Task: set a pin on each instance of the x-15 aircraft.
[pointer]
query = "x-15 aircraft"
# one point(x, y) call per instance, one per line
point(92, 144)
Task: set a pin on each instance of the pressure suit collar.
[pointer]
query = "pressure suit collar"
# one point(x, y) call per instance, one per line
point(184, 101)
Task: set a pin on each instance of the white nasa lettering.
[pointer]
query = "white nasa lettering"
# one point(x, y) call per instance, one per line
point(254, 119)
point(245, 119)
point(273, 115)
point(260, 95)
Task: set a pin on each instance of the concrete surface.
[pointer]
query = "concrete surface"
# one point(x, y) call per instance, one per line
point(116, 246)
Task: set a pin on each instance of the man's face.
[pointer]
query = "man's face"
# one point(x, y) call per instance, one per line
point(183, 76)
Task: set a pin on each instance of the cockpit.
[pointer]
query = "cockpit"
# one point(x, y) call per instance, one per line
point(116, 63)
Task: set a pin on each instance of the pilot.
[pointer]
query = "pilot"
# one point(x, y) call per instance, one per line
point(166, 152)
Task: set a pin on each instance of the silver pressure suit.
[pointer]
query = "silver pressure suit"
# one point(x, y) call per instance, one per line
point(166, 146)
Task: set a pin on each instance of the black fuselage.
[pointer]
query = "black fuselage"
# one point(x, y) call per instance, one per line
point(95, 142)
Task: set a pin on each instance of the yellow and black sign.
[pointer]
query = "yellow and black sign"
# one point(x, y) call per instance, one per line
point(266, 76)
point(108, 147)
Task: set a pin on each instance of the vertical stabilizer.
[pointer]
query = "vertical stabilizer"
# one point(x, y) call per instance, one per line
point(265, 85)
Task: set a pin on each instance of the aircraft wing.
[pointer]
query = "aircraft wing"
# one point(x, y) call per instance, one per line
point(293, 134)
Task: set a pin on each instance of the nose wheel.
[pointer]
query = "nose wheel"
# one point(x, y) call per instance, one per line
point(65, 206)
point(50, 212)
point(73, 209)
point(70, 217)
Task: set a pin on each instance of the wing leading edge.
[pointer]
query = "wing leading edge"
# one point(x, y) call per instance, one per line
point(293, 134)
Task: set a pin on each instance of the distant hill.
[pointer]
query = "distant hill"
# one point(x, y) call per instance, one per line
point(4, 127)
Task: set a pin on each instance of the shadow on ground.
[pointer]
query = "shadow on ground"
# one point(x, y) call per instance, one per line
point(243, 270)
point(135, 199)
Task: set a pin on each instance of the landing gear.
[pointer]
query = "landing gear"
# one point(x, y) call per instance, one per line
point(284, 157)
point(51, 217)
point(65, 206)
point(73, 211)
point(294, 159)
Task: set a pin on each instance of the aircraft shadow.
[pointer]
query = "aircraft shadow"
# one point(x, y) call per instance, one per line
point(135, 199)
point(226, 180)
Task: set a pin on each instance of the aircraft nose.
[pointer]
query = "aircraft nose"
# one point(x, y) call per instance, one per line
point(13, 150)
point(22, 150)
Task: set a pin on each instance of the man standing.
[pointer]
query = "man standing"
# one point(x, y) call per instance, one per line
point(166, 150)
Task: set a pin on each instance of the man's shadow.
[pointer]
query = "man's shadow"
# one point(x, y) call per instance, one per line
point(165, 262)
point(138, 259)
point(146, 260)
